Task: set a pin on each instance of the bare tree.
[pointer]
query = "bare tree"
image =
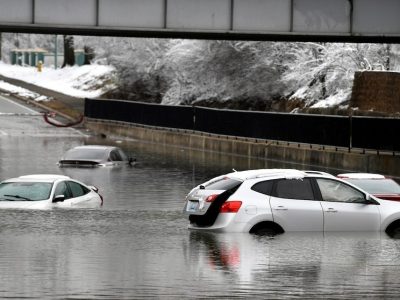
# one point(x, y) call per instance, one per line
point(69, 53)
point(89, 55)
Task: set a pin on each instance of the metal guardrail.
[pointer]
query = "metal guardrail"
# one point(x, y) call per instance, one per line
point(338, 131)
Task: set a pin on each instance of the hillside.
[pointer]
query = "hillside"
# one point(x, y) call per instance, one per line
point(272, 76)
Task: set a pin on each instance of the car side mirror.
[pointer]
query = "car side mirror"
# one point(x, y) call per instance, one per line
point(370, 200)
point(131, 161)
point(59, 198)
point(94, 188)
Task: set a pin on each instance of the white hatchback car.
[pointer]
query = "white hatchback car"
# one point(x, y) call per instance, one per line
point(44, 191)
point(277, 200)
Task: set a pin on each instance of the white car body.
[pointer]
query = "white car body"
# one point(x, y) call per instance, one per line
point(87, 198)
point(328, 206)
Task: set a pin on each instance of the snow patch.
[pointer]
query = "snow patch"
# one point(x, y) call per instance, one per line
point(16, 90)
point(334, 100)
point(88, 81)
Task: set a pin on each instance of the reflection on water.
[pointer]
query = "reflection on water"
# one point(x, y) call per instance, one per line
point(137, 245)
point(351, 265)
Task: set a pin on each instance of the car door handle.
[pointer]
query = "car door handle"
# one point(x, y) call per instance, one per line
point(331, 210)
point(280, 208)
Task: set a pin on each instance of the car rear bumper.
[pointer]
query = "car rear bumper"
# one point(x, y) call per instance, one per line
point(224, 223)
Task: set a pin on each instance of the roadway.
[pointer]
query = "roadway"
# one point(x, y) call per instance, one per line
point(17, 119)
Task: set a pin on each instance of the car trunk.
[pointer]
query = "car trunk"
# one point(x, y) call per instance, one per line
point(203, 204)
point(78, 163)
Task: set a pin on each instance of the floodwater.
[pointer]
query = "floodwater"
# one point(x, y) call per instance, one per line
point(137, 245)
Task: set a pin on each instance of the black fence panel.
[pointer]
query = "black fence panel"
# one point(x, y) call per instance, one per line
point(376, 133)
point(301, 128)
point(339, 131)
point(140, 113)
point(227, 122)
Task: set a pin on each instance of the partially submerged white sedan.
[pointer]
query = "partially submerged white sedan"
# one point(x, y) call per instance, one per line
point(43, 191)
point(95, 156)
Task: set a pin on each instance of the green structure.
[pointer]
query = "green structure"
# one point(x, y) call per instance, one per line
point(27, 57)
point(31, 57)
point(79, 57)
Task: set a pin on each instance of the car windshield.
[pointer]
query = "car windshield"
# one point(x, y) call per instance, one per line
point(85, 154)
point(377, 186)
point(25, 191)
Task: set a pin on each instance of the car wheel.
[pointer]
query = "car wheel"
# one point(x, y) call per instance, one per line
point(394, 232)
point(266, 229)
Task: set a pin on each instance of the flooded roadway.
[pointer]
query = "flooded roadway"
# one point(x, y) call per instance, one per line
point(137, 245)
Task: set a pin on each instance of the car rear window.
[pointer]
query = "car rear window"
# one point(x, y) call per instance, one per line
point(377, 186)
point(85, 154)
point(225, 184)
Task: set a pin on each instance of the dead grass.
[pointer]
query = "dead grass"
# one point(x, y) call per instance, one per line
point(60, 107)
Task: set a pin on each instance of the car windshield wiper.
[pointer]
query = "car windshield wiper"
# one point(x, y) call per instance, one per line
point(18, 197)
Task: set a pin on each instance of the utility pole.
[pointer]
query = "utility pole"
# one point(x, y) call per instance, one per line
point(0, 44)
point(55, 51)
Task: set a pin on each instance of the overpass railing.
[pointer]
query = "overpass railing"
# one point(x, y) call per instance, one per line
point(375, 133)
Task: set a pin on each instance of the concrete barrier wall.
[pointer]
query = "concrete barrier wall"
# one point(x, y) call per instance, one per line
point(309, 155)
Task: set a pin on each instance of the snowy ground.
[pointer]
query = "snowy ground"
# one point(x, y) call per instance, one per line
point(86, 81)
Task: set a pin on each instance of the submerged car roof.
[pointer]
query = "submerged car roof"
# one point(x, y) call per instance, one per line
point(37, 178)
point(99, 147)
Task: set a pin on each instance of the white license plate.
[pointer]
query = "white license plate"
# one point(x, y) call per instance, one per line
point(192, 205)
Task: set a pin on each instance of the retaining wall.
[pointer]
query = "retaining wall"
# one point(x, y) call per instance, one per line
point(310, 155)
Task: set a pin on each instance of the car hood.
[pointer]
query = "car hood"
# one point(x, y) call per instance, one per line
point(43, 204)
point(390, 210)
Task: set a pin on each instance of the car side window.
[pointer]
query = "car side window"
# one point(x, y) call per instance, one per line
point(263, 187)
point(115, 156)
point(122, 154)
point(77, 189)
point(62, 189)
point(336, 191)
point(300, 189)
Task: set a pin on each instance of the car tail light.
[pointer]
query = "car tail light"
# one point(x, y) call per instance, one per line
point(230, 207)
point(211, 198)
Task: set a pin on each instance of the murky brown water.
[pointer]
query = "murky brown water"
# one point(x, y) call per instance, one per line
point(137, 246)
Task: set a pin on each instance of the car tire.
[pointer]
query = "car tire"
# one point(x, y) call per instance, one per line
point(266, 229)
point(393, 230)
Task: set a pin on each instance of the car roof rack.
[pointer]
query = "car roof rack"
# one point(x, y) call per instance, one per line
point(252, 174)
point(318, 173)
